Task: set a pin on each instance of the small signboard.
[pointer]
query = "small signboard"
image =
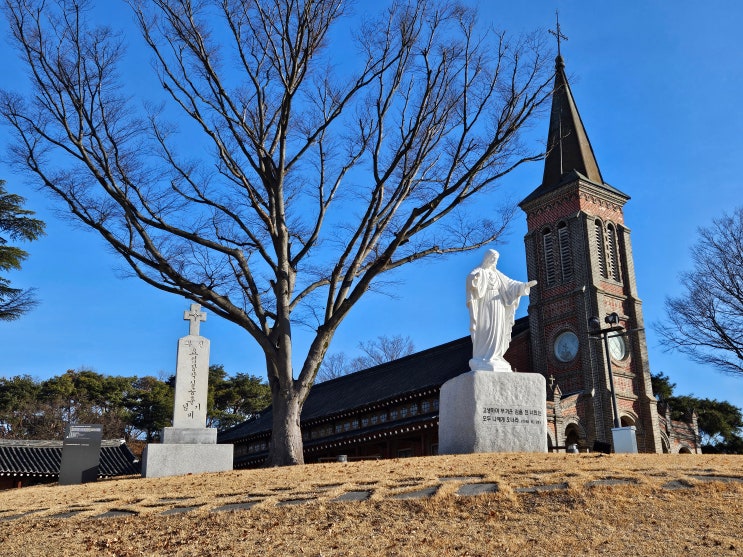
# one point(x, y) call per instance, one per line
point(81, 454)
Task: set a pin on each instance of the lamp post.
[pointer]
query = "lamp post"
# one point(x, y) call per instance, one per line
point(596, 331)
point(623, 437)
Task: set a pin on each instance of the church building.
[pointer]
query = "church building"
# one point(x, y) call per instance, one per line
point(579, 250)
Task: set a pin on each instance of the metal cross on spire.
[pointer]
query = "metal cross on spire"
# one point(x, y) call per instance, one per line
point(195, 316)
point(558, 33)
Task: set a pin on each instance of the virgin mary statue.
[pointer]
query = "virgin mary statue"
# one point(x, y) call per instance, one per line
point(492, 299)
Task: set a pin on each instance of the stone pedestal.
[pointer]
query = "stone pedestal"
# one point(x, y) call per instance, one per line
point(175, 459)
point(486, 411)
point(625, 440)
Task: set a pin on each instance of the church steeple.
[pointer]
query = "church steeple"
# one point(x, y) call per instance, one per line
point(569, 156)
point(567, 141)
point(579, 250)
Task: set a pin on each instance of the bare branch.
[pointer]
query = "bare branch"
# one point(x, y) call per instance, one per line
point(271, 182)
point(706, 322)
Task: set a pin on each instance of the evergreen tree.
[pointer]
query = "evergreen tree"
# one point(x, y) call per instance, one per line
point(17, 396)
point(43, 410)
point(720, 423)
point(233, 400)
point(151, 406)
point(15, 224)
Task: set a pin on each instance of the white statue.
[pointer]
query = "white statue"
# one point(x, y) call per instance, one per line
point(492, 299)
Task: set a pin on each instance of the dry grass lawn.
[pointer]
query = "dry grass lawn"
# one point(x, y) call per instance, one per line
point(600, 505)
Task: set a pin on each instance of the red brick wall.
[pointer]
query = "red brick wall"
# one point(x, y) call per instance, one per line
point(519, 353)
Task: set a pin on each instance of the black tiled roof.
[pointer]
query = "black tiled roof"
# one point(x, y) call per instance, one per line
point(43, 458)
point(428, 369)
point(414, 373)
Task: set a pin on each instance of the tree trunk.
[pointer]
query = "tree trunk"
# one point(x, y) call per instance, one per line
point(286, 437)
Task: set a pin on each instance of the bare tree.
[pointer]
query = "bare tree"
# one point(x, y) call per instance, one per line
point(301, 182)
point(378, 351)
point(385, 349)
point(333, 366)
point(706, 322)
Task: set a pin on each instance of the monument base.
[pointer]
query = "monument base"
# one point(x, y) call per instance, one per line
point(624, 439)
point(486, 411)
point(186, 451)
point(160, 460)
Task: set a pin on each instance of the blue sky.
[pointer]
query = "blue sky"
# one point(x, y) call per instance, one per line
point(658, 87)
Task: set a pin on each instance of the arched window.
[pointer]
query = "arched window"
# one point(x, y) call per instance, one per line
point(566, 259)
point(549, 257)
point(599, 229)
point(611, 240)
point(626, 421)
point(572, 435)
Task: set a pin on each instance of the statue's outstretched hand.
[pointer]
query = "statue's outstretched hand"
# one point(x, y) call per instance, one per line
point(531, 283)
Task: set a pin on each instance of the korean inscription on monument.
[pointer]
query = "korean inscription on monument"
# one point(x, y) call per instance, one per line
point(192, 374)
point(512, 415)
point(192, 404)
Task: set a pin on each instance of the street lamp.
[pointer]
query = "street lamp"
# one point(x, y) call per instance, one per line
point(623, 437)
point(596, 331)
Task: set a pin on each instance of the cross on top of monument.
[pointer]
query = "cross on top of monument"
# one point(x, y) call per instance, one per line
point(195, 316)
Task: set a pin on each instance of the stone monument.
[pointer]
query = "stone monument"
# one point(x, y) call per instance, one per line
point(189, 447)
point(490, 408)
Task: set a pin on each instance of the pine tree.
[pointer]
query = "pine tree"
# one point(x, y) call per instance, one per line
point(15, 224)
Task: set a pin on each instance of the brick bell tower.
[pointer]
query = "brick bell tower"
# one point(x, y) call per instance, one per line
point(579, 249)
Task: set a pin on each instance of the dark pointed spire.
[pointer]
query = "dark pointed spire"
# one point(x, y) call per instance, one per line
point(567, 142)
point(569, 152)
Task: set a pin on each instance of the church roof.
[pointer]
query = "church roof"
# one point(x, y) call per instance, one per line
point(417, 372)
point(35, 458)
point(430, 368)
point(569, 152)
